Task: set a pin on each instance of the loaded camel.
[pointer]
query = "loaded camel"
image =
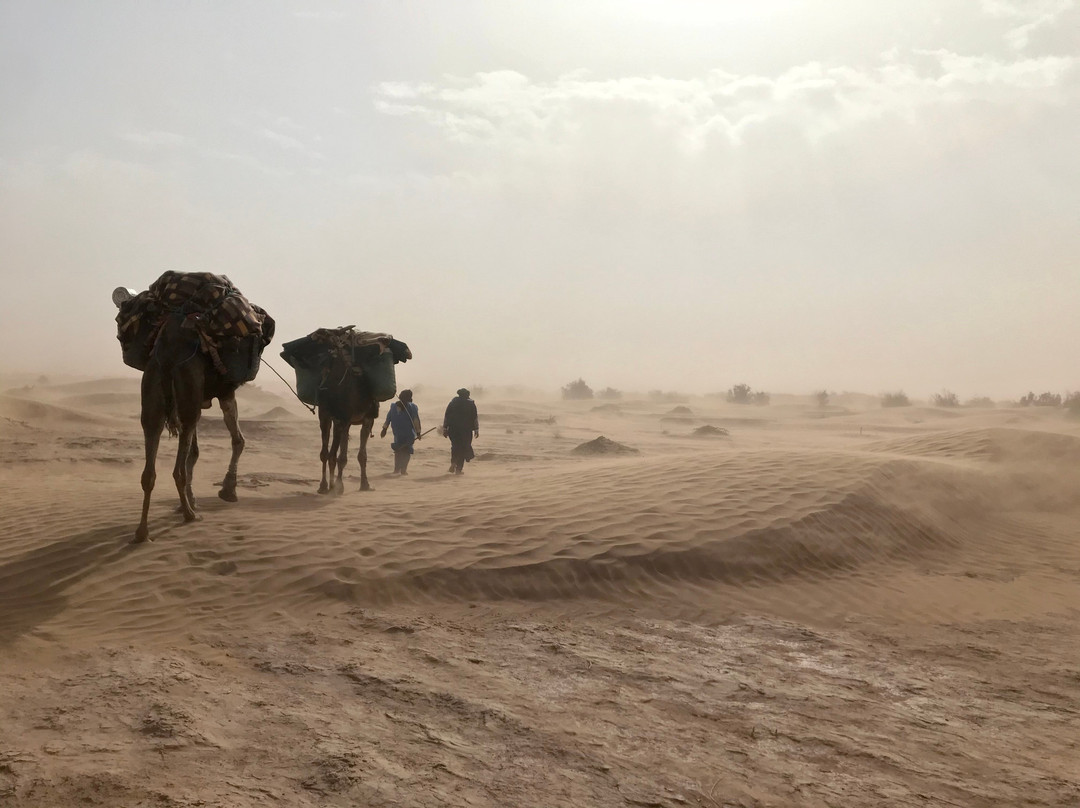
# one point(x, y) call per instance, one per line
point(185, 368)
point(347, 374)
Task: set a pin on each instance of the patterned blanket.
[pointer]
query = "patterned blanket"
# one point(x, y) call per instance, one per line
point(224, 319)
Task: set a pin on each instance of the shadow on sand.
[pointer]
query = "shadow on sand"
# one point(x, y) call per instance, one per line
point(32, 585)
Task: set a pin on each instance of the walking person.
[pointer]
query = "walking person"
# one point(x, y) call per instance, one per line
point(404, 418)
point(461, 425)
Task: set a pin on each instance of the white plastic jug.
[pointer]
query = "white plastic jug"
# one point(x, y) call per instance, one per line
point(121, 294)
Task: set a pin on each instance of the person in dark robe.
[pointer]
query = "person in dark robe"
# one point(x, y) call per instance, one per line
point(461, 425)
point(404, 418)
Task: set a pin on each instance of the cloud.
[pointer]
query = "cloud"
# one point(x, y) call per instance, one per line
point(247, 161)
point(153, 139)
point(284, 141)
point(1033, 16)
point(324, 15)
point(505, 108)
point(291, 143)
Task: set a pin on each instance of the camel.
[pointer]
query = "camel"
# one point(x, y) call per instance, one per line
point(349, 400)
point(177, 385)
point(350, 370)
point(183, 372)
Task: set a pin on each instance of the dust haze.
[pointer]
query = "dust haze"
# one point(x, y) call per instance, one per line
point(683, 196)
point(677, 600)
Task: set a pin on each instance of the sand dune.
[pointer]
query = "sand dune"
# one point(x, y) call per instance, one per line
point(25, 409)
point(809, 611)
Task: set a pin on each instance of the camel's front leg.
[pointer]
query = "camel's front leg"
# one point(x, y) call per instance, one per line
point(232, 423)
point(152, 425)
point(180, 469)
point(361, 456)
point(324, 455)
point(343, 454)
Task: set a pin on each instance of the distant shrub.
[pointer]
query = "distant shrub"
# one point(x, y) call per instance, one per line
point(1072, 404)
point(609, 393)
point(744, 394)
point(476, 391)
point(1042, 400)
point(577, 390)
point(980, 401)
point(822, 398)
point(946, 398)
point(896, 399)
point(739, 394)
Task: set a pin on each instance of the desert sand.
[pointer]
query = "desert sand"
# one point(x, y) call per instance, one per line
point(798, 607)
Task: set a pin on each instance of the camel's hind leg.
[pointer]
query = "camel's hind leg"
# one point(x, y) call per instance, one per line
point(341, 444)
point(153, 421)
point(232, 423)
point(361, 456)
point(193, 456)
point(324, 426)
point(188, 413)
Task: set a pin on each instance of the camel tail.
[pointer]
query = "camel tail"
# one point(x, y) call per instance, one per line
point(168, 398)
point(163, 354)
point(172, 418)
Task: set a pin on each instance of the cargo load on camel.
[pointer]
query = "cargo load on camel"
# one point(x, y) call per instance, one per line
point(369, 355)
point(227, 327)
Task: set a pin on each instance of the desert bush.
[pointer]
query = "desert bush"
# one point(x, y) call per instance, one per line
point(1072, 404)
point(946, 398)
point(980, 401)
point(577, 390)
point(739, 394)
point(609, 393)
point(744, 394)
point(1042, 400)
point(822, 398)
point(895, 399)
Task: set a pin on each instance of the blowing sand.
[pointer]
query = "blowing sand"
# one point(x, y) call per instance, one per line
point(819, 607)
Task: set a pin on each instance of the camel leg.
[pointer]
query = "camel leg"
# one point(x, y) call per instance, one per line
point(193, 456)
point(332, 455)
point(153, 421)
point(343, 454)
point(361, 456)
point(324, 455)
point(232, 423)
point(180, 469)
point(188, 413)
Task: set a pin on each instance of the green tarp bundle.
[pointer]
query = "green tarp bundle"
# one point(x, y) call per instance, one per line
point(370, 355)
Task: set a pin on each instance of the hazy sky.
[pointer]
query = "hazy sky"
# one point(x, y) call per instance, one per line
point(647, 193)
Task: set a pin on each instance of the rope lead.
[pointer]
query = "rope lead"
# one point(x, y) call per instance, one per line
point(306, 405)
